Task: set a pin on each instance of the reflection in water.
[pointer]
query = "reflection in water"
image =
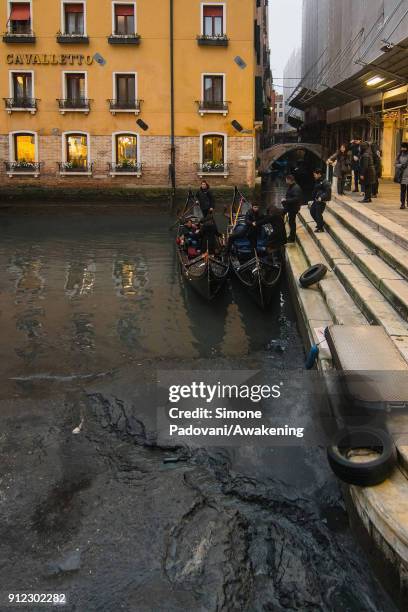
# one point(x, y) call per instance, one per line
point(80, 279)
point(88, 264)
point(27, 273)
point(130, 278)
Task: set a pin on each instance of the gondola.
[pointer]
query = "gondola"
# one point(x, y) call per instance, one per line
point(205, 272)
point(259, 271)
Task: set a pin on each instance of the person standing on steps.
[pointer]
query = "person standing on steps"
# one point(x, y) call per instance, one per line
point(322, 194)
point(205, 198)
point(292, 203)
point(376, 152)
point(342, 168)
point(401, 173)
point(355, 151)
point(368, 175)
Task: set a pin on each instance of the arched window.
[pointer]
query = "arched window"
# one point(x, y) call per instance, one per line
point(76, 150)
point(24, 148)
point(126, 149)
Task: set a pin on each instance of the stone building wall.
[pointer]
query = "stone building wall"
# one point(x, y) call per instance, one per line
point(154, 154)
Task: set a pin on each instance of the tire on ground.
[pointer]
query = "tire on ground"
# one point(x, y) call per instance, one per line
point(362, 439)
point(313, 275)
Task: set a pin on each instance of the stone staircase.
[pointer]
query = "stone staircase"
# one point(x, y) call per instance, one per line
point(367, 283)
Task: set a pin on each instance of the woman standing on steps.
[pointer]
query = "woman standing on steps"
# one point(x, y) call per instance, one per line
point(368, 175)
point(342, 168)
point(401, 173)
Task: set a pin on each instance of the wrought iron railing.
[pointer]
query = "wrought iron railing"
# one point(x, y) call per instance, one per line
point(23, 166)
point(124, 39)
point(74, 104)
point(211, 167)
point(14, 35)
point(213, 106)
point(216, 41)
point(23, 102)
point(75, 167)
point(72, 37)
point(126, 167)
point(118, 105)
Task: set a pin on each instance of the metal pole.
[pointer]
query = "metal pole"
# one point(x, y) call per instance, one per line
point(172, 137)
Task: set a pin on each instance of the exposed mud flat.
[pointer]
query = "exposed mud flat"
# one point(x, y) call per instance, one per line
point(91, 308)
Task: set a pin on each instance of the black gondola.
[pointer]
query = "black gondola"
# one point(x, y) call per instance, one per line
point(260, 270)
point(205, 272)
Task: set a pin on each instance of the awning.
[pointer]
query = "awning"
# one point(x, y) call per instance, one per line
point(74, 8)
point(391, 66)
point(213, 11)
point(124, 10)
point(20, 11)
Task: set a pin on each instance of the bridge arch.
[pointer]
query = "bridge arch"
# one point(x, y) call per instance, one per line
point(272, 154)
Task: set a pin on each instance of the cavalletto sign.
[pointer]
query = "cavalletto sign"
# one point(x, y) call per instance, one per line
point(48, 59)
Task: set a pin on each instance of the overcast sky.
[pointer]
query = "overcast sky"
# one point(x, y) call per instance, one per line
point(285, 34)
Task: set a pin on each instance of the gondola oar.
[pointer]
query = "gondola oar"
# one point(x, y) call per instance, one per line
point(185, 210)
point(258, 271)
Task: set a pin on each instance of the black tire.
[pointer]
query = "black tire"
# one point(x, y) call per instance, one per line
point(313, 275)
point(368, 473)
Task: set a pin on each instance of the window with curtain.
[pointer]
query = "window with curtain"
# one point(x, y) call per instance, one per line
point(213, 89)
point(124, 19)
point(20, 18)
point(213, 149)
point(75, 87)
point(126, 149)
point(213, 20)
point(125, 89)
point(24, 148)
point(74, 18)
point(22, 87)
point(77, 150)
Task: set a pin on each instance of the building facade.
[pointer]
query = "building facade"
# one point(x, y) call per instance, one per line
point(291, 77)
point(279, 114)
point(355, 74)
point(124, 94)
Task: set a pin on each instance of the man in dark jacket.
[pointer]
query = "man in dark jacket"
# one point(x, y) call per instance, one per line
point(209, 234)
point(376, 153)
point(292, 203)
point(321, 195)
point(250, 230)
point(205, 198)
point(355, 150)
point(368, 174)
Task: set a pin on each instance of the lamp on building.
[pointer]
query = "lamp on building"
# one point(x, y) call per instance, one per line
point(375, 80)
point(237, 126)
point(142, 124)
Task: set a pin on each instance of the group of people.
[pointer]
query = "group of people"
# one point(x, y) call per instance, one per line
point(363, 160)
point(201, 236)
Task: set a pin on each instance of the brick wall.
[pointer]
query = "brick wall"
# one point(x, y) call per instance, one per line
point(155, 155)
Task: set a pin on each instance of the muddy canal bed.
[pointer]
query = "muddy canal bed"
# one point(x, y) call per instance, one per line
point(91, 307)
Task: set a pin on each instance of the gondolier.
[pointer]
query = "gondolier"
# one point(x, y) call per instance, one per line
point(205, 198)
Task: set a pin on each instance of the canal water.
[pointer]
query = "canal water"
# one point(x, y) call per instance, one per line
point(91, 307)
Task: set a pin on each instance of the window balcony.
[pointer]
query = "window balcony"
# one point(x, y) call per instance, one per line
point(23, 35)
point(213, 106)
point(124, 39)
point(213, 169)
point(124, 106)
point(204, 40)
point(74, 105)
point(23, 168)
point(75, 168)
point(65, 38)
point(126, 168)
point(27, 105)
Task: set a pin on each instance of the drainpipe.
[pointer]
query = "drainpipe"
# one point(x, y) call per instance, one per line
point(172, 137)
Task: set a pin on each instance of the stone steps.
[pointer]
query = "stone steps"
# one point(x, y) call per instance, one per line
point(386, 248)
point(392, 285)
point(375, 307)
point(378, 222)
